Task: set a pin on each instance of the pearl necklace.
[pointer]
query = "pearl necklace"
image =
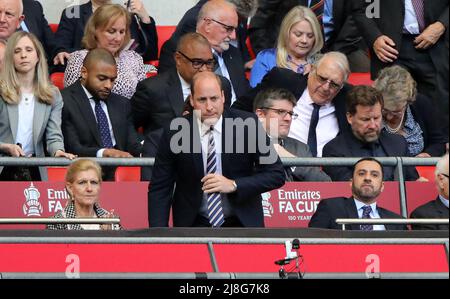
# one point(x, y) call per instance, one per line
point(395, 130)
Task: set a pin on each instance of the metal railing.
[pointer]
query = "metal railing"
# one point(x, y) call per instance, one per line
point(397, 162)
point(381, 221)
point(59, 221)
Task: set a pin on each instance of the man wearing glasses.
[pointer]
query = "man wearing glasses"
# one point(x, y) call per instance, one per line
point(366, 137)
point(275, 109)
point(160, 99)
point(436, 208)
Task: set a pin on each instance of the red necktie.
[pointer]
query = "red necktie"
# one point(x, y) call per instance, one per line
point(420, 13)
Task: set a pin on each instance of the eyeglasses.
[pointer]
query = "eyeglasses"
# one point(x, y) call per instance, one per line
point(323, 80)
point(446, 175)
point(228, 28)
point(395, 113)
point(282, 112)
point(199, 63)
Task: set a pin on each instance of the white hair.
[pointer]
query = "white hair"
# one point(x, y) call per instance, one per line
point(442, 165)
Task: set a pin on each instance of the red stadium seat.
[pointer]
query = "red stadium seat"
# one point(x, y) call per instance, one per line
point(360, 79)
point(53, 27)
point(250, 49)
point(56, 174)
point(58, 79)
point(426, 172)
point(128, 174)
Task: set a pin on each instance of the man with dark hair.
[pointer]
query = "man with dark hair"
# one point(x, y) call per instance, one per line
point(366, 137)
point(367, 185)
point(96, 122)
point(275, 109)
point(212, 169)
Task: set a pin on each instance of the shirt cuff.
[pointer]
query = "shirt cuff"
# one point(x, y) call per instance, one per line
point(100, 153)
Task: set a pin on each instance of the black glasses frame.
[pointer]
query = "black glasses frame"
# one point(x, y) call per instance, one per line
point(228, 28)
point(199, 63)
point(282, 112)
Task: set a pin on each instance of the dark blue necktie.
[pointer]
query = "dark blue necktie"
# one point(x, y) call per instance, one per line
point(366, 215)
point(103, 126)
point(312, 136)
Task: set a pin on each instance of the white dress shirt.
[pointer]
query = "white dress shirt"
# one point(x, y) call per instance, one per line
point(444, 200)
point(185, 87)
point(105, 109)
point(224, 71)
point(24, 134)
point(373, 214)
point(410, 23)
point(327, 127)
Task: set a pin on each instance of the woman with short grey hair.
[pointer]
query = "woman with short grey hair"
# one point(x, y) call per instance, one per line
point(410, 114)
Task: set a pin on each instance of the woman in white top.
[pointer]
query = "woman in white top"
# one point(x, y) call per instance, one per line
point(83, 183)
point(30, 107)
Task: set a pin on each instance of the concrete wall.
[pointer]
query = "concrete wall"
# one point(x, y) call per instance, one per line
point(165, 12)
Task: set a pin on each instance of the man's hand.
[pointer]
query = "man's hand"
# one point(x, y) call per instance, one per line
point(62, 154)
point(12, 150)
point(60, 58)
point(423, 155)
point(429, 36)
point(216, 183)
point(113, 153)
point(384, 48)
point(422, 180)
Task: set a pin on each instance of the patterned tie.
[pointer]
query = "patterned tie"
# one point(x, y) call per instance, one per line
point(420, 13)
point(366, 215)
point(103, 126)
point(217, 69)
point(215, 212)
point(312, 136)
point(317, 6)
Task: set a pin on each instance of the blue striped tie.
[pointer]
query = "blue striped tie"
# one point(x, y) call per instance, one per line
point(215, 211)
point(366, 215)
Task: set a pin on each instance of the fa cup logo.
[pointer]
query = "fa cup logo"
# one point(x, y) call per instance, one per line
point(32, 206)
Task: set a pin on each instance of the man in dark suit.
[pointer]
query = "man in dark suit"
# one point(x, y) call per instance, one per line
point(74, 18)
point(160, 99)
point(321, 104)
point(367, 185)
point(219, 167)
point(189, 23)
point(217, 22)
point(96, 122)
point(341, 33)
point(366, 137)
point(275, 109)
point(411, 34)
point(436, 208)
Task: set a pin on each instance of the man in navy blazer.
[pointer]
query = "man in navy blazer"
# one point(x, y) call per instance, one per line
point(367, 184)
point(437, 208)
point(209, 156)
point(366, 137)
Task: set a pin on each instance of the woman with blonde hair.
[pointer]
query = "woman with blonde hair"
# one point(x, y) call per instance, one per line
point(410, 114)
point(83, 183)
point(299, 41)
point(108, 28)
point(30, 107)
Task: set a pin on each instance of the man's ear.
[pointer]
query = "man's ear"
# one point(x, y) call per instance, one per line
point(349, 118)
point(84, 73)
point(21, 19)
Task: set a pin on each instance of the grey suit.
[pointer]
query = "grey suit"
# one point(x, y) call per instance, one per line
point(308, 174)
point(46, 122)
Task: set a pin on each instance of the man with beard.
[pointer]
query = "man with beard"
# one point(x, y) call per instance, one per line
point(367, 185)
point(96, 122)
point(366, 137)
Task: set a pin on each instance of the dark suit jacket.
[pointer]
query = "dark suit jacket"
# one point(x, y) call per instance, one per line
point(265, 25)
point(346, 145)
point(38, 25)
point(432, 209)
point(331, 209)
point(390, 23)
point(71, 31)
point(424, 114)
point(301, 173)
point(185, 170)
point(295, 83)
point(81, 134)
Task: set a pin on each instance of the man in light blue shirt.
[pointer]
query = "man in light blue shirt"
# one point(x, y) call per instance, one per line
point(367, 185)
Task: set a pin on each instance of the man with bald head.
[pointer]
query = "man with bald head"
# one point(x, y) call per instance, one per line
point(218, 182)
point(95, 121)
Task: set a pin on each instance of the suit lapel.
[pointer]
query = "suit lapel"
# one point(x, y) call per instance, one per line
point(86, 111)
point(197, 158)
point(226, 158)
point(13, 114)
point(175, 93)
point(40, 113)
point(114, 117)
point(351, 211)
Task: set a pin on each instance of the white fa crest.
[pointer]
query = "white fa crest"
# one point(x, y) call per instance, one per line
point(32, 206)
point(267, 206)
